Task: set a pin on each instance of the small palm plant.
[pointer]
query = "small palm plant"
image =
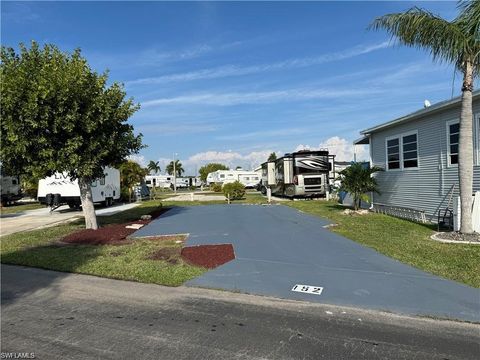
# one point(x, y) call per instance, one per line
point(357, 180)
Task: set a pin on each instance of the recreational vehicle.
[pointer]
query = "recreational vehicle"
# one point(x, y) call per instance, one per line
point(166, 181)
point(299, 174)
point(10, 189)
point(249, 179)
point(161, 181)
point(60, 189)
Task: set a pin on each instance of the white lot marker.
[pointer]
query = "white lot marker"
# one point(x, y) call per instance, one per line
point(309, 289)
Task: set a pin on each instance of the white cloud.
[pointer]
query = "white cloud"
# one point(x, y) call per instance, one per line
point(342, 148)
point(139, 159)
point(234, 70)
point(177, 128)
point(266, 97)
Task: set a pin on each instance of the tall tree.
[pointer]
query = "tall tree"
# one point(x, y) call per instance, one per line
point(153, 167)
point(272, 157)
point(178, 168)
point(131, 173)
point(457, 42)
point(58, 115)
point(357, 180)
point(209, 168)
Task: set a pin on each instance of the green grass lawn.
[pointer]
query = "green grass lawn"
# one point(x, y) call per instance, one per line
point(39, 248)
point(403, 240)
point(18, 207)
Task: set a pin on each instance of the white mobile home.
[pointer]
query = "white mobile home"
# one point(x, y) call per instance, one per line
point(60, 189)
point(419, 153)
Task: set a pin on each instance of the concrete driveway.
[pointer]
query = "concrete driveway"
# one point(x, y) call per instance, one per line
point(40, 218)
point(277, 247)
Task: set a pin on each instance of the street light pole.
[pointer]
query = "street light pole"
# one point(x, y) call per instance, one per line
point(174, 175)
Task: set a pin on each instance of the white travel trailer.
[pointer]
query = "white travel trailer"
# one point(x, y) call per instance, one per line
point(162, 181)
point(166, 181)
point(249, 179)
point(10, 189)
point(60, 189)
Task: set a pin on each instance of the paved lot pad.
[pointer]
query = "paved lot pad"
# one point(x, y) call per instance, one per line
point(277, 247)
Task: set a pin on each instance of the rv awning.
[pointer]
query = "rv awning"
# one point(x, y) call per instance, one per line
point(362, 141)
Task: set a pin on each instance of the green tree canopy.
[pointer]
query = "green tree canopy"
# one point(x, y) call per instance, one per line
point(178, 168)
point(58, 115)
point(357, 180)
point(208, 168)
point(272, 157)
point(456, 42)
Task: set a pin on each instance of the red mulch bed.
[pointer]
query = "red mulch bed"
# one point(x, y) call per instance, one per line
point(208, 256)
point(110, 234)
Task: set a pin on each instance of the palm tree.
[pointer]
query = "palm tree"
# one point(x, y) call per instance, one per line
point(153, 167)
point(178, 168)
point(272, 157)
point(357, 180)
point(457, 42)
point(131, 174)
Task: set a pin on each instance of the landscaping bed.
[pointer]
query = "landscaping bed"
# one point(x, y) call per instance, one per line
point(151, 260)
point(110, 234)
point(208, 256)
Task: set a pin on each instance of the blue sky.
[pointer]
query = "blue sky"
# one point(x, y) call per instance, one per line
point(231, 82)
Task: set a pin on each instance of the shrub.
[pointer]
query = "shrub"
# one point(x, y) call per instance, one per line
point(216, 187)
point(235, 189)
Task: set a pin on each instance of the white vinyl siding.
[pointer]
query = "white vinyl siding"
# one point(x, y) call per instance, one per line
point(453, 130)
point(402, 151)
point(429, 186)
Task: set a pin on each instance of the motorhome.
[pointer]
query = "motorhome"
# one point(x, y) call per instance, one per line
point(60, 189)
point(300, 174)
point(249, 179)
point(10, 189)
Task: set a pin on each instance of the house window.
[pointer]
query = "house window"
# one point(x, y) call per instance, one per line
point(102, 181)
point(453, 132)
point(410, 154)
point(393, 154)
point(402, 151)
point(222, 176)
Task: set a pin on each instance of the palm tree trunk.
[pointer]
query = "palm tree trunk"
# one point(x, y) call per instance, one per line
point(465, 152)
point(87, 204)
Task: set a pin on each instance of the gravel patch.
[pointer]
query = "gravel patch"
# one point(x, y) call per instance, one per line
point(456, 237)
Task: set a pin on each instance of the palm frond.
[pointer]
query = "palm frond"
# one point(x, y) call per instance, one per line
point(422, 29)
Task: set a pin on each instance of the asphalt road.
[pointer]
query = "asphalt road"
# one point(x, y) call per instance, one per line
point(67, 316)
point(277, 247)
